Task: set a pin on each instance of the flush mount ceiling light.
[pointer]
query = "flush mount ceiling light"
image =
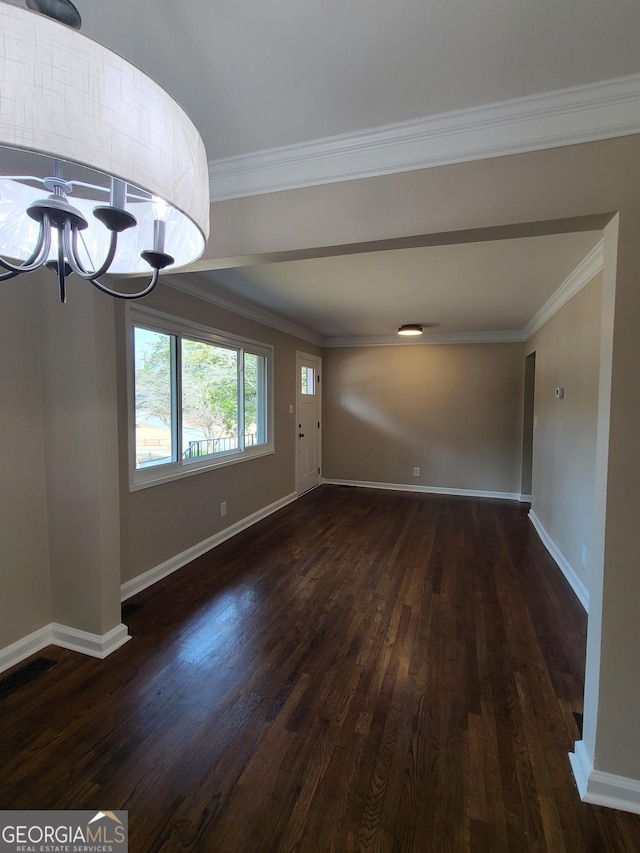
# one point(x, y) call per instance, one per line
point(410, 329)
point(76, 118)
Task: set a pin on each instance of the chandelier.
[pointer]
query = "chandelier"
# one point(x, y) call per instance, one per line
point(101, 171)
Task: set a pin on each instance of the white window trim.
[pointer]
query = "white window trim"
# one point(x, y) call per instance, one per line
point(158, 321)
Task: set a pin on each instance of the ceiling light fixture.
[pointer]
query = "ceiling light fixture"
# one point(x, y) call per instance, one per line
point(77, 118)
point(410, 329)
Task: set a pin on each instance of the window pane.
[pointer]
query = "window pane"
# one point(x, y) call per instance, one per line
point(209, 399)
point(199, 398)
point(307, 380)
point(255, 428)
point(154, 395)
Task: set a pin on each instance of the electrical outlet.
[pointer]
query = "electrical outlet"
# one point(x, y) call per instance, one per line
point(416, 472)
point(223, 509)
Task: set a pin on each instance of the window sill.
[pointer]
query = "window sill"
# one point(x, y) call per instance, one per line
point(166, 474)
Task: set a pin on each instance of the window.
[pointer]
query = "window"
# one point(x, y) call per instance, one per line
point(307, 380)
point(198, 398)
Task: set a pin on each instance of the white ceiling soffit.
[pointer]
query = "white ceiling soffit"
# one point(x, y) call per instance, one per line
point(585, 113)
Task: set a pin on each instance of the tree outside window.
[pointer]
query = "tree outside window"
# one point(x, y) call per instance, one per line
point(209, 388)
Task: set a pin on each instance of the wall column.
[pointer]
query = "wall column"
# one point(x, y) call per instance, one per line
point(81, 452)
point(607, 761)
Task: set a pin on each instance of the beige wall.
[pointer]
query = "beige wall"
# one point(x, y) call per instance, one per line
point(454, 411)
point(59, 526)
point(567, 352)
point(163, 520)
point(25, 603)
point(77, 345)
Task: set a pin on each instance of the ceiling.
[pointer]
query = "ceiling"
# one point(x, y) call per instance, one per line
point(256, 76)
point(253, 75)
point(458, 289)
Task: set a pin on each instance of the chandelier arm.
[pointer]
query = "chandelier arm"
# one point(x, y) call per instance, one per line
point(138, 295)
point(71, 252)
point(7, 275)
point(39, 255)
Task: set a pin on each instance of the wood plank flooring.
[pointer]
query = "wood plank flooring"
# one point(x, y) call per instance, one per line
point(362, 671)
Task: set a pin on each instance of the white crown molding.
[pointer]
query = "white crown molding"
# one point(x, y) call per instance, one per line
point(148, 578)
point(582, 593)
point(428, 338)
point(601, 788)
point(575, 281)
point(595, 111)
point(209, 293)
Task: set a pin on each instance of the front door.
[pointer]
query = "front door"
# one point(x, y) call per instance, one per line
point(307, 422)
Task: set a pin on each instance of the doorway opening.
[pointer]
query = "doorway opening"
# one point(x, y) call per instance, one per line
point(528, 427)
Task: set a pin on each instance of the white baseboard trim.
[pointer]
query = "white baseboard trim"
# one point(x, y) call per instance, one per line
point(148, 578)
point(603, 789)
point(55, 634)
point(430, 490)
point(525, 499)
point(565, 567)
point(581, 766)
point(95, 645)
point(25, 647)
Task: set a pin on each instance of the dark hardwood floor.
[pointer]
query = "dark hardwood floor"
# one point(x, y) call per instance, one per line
point(362, 671)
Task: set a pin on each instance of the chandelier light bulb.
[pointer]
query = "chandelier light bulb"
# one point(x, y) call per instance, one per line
point(160, 209)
